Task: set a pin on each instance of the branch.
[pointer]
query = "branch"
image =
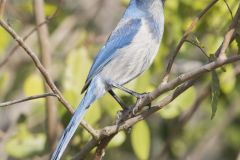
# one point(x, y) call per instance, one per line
point(44, 73)
point(5, 104)
point(85, 150)
point(14, 49)
point(100, 151)
point(43, 36)
point(186, 34)
point(184, 81)
point(230, 33)
point(37, 63)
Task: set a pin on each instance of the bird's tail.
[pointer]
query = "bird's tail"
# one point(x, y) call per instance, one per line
point(94, 91)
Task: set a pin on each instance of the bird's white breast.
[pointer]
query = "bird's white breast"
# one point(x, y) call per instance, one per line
point(133, 59)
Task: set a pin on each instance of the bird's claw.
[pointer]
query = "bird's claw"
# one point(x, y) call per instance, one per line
point(142, 95)
point(139, 101)
point(119, 117)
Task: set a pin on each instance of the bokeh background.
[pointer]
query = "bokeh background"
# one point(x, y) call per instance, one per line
point(77, 30)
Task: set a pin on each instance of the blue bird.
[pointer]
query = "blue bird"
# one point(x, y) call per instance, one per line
point(128, 52)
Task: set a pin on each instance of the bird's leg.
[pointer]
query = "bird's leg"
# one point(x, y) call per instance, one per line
point(133, 93)
point(120, 102)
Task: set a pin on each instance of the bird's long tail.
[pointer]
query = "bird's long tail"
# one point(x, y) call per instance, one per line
point(94, 91)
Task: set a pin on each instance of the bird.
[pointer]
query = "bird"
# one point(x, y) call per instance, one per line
point(127, 53)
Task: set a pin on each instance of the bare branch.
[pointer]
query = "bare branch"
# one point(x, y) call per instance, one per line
point(44, 73)
point(186, 34)
point(14, 49)
point(230, 33)
point(5, 104)
point(229, 9)
point(43, 36)
point(194, 44)
point(85, 150)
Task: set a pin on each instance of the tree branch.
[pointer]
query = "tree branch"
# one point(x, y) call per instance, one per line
point(14, 49)
point(5, 104)
point(43, 36)
point(184, 81)
point(186, 34)
point(44, 73)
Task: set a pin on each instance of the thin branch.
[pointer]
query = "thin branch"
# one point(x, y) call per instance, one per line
point(230, 33)
point(44, 73)
point(229, 9)
point(202, 50)
point(14, 49)
point(43, 36)
point(186, 34)
point(38, 64)
point(5, 104)
point(86, 149)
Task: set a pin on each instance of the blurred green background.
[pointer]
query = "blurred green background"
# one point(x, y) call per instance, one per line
point(77, 32)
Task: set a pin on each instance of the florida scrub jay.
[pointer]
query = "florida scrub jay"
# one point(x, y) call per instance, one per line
point(128, 52)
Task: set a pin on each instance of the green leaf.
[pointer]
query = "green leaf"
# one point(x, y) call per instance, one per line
point(215, 92)
point(140, 140)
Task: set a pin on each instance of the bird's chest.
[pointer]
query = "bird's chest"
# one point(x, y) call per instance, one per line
point(146, 43)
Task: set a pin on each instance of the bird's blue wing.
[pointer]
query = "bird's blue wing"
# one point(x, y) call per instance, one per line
point(120, 37)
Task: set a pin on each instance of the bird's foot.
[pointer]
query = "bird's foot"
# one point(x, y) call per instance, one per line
point(122, 115)
point(141, 97)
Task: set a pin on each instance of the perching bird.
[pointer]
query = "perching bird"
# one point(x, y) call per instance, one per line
point(128, 52)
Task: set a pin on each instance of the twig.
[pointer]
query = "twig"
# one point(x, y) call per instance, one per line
point(194, 44)
point(186, 34)
point(229, 35)
point(43, 36)
point(44, 73)
point(5, 104)
point(86, 149)
point(229, 9)
point(14, 49)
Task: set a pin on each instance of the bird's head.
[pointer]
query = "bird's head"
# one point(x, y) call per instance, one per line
point(147, 5)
